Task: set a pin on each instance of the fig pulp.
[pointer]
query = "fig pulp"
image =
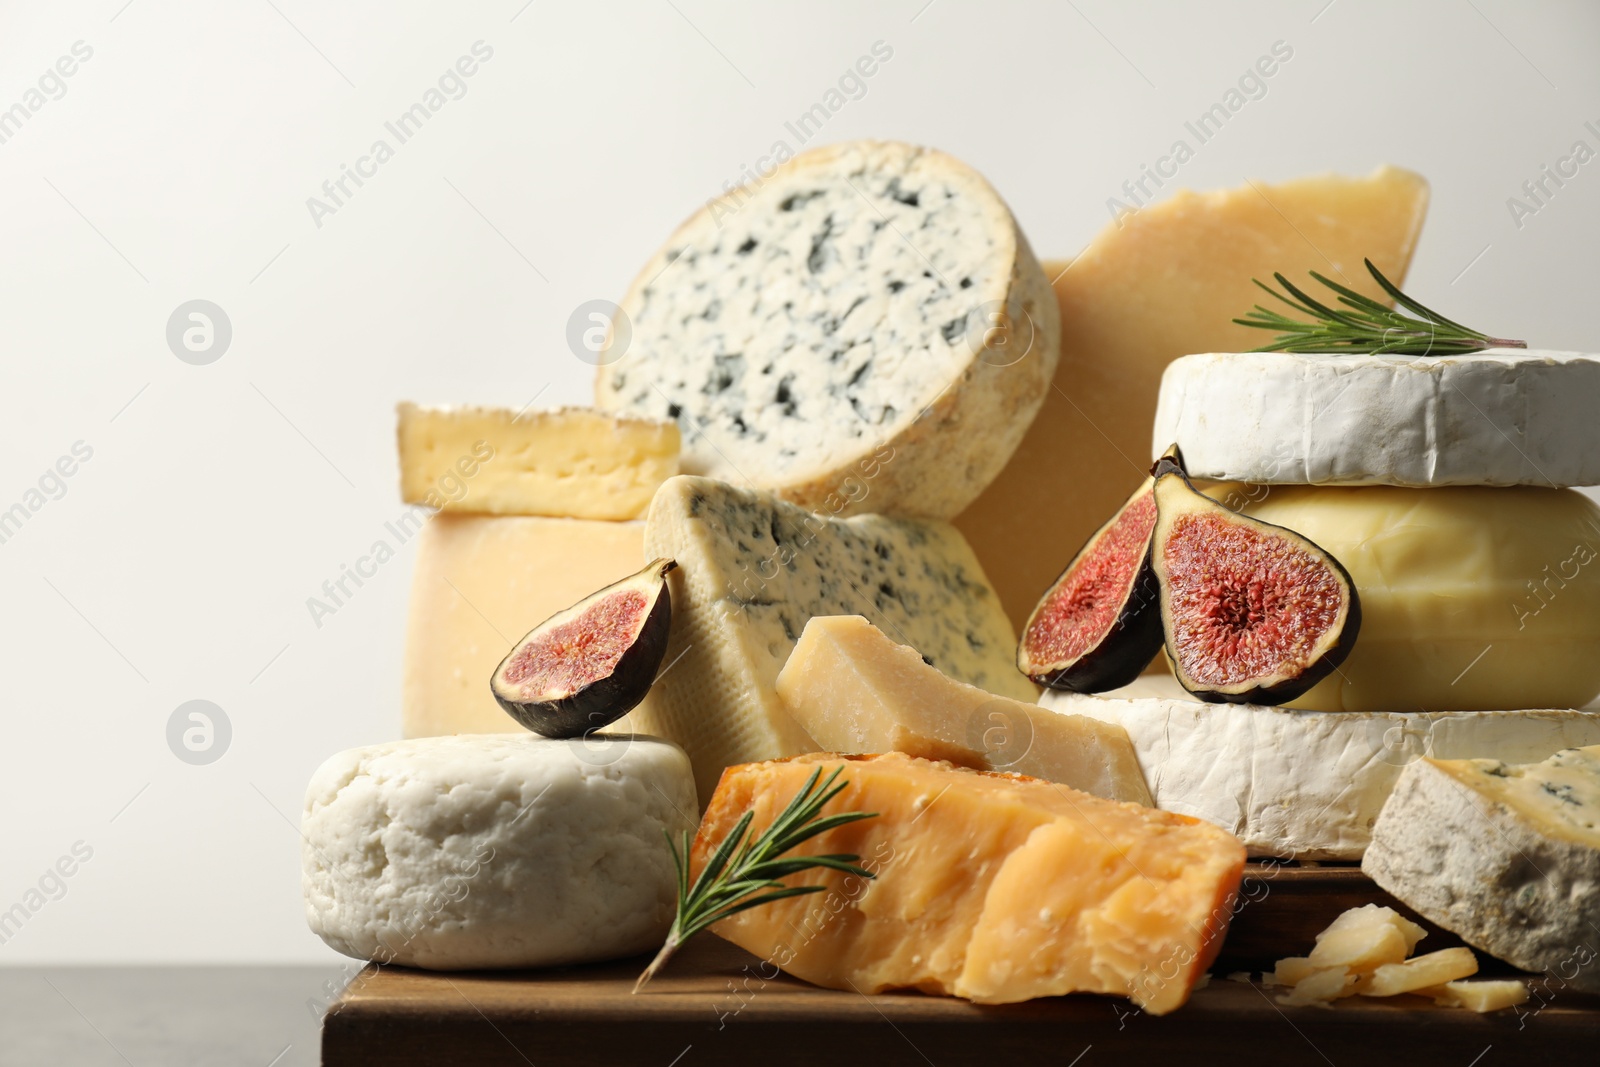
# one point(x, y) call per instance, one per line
point(1099, 624)
point(1253, 613)
point(588, 666)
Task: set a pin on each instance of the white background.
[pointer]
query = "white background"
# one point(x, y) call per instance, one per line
point(178, 164)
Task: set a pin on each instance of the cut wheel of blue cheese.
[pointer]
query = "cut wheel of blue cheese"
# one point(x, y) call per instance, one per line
point(1505, 856)
point(1304, 784)
point(495, 850)
point(1500, 417)
point(866, 330)
point(752, 570)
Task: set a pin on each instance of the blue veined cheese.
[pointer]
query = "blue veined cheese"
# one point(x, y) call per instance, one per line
point(1499, 417)
point(752, 570)
point(1506, 856)
point(869, 304)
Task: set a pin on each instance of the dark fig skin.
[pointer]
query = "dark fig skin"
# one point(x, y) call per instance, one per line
point(1309, 674)
point(605, 700)
point(1133, 640)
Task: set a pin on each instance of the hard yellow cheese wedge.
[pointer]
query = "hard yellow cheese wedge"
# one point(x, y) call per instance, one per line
point(853, 689)
point(1161, 283)
point(991, 887)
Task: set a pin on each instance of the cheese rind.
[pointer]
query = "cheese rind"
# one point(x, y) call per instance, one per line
point(996, 888)
point(752, 570)
point(1305, 784)
point(1152, 286)
point(1472, 598)
point(1507, 857)
point(482, 581)
point(571, 462)
point(495, 851)
point(854, 690)
point(1500, 417)
point(865, 329)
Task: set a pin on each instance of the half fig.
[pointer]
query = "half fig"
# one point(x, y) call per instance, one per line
point(588, 666)
point(1253, 613)
point(1099, 624)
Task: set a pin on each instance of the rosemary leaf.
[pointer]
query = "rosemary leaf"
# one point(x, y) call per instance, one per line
point(743, 866)
point(1366, 326)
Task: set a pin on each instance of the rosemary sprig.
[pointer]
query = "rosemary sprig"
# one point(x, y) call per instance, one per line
point(741, 868)
point(1364, 325)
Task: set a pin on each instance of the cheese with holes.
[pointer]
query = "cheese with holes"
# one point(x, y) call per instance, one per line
point(572, 462)
point(864, 330)
point(1153, 286)
point(503, 850)
point(991, 887)
point(1472, 598)
point(854, 689)
point(1304, 784)
point(483, 581)
point(752, 570)
point(1505, 855)
point(1501, 417)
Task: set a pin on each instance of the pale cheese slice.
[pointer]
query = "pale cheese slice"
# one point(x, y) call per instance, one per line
point(571, 462)
point(855, 690)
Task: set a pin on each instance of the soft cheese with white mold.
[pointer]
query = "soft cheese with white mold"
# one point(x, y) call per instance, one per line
point(1505, 856)
point(1498, 417)
point(867, 315)
point(752, 570)
point(1304, 784)
point(495, 851)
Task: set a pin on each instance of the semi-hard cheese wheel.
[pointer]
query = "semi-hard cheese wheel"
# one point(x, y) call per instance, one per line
point(1507, 857)
point(752, 570)
point(991, 887)
point(1471, 598)
point(854, 690)
point(863, 330)
point(1305, 784)
point(572, 462)
point(504, 850)
point(1156, 284)
point(1501, 417)
point(483, 581)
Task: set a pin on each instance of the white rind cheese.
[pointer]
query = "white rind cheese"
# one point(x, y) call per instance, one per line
point(493, 851)
point(865, 330)
point(1500, 417)
point(752, 570)
point(1506, 857)
point(1306, 784)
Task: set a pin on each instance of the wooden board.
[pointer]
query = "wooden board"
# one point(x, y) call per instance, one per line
point(717, 1004)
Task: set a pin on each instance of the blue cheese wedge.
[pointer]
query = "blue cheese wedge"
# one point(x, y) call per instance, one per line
point(865, 330)
point(1507, 856)
point(752, 570)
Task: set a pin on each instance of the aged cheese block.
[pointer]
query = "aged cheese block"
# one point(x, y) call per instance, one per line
point(573, 462)
point(1159, 284)
point(864, 330)
point(752, 570)
point(1501, 417)
point(854, 689)
point(481, 582)
point(1305, 784)
point(503, 850)
point(1471, 598)
point(991, 887)
point(1504, 854)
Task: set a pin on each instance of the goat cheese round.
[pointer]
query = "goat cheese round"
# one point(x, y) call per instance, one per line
point(1305, 784)
point(495, 850)
point(1500, 417)
point(863, 330)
